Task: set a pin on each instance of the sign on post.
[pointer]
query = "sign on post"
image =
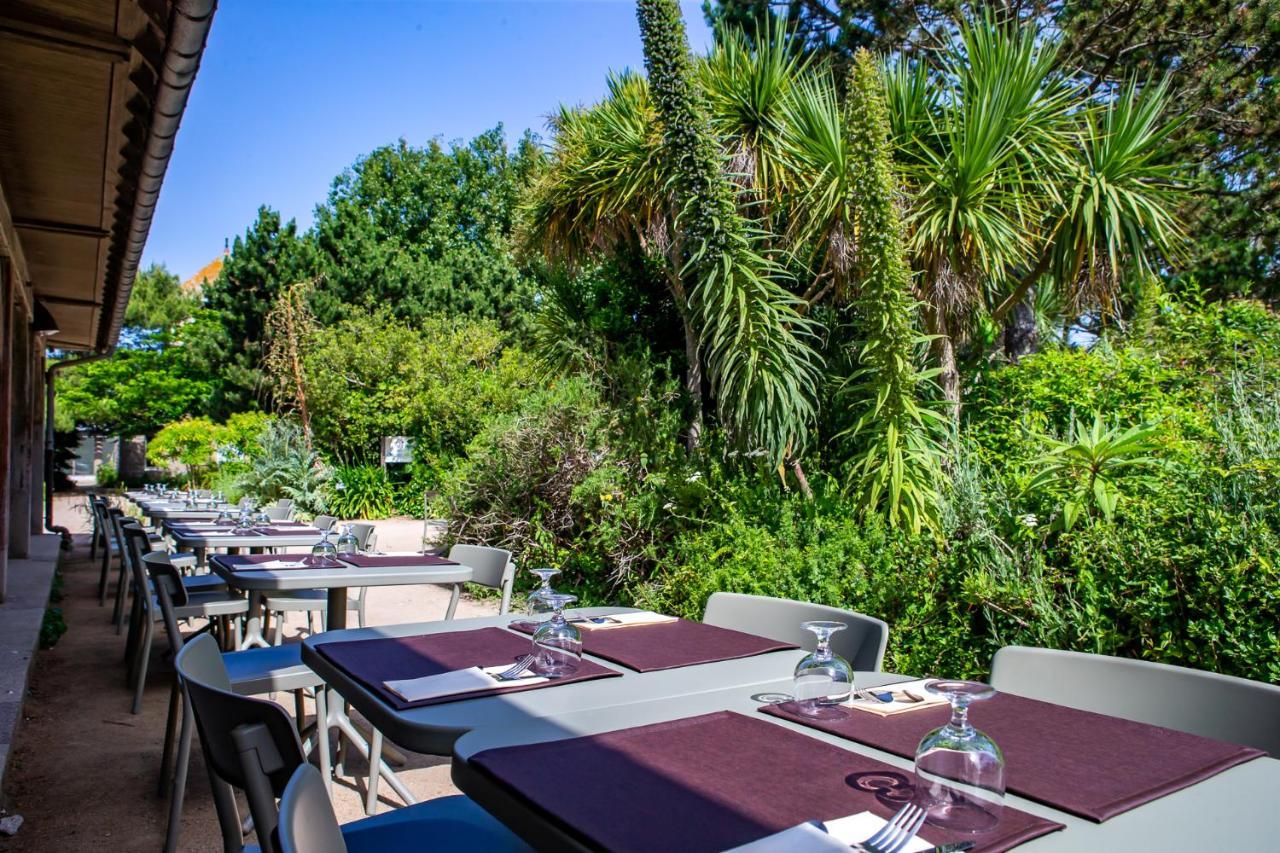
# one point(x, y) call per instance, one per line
point(397, 450)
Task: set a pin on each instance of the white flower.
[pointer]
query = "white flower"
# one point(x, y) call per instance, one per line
point(694, 477)
point(668, 506)
point(1030, 520)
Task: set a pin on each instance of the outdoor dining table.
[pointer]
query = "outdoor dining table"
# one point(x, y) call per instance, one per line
point(1232, 810)
point(432, 729)
point(260, 581)
point(201, 539)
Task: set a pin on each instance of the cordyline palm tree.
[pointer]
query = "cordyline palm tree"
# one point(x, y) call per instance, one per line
point(1017, 178)
point(645, 167)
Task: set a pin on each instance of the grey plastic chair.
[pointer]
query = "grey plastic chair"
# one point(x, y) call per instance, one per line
point(324, 523)
point(315, 602)
point(285, 504)
point(279, 513)
point(491, 567)
point(213, 606)
point(248, 672)
point(307, 824)
point(862, 643)
point(1190, 700)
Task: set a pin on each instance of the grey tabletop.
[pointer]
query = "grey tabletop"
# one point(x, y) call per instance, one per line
point(434, 728)
point(1234, 810)
point(177, 513)
point(194, 537)
point(351, 576)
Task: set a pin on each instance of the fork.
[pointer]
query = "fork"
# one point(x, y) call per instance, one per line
point(895, 834)
point(515, 671)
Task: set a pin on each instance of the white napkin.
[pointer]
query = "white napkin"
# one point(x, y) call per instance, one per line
point(900, 704)
point(457, 681)
point(841, 833)
point(625, 620)
point(278, 564)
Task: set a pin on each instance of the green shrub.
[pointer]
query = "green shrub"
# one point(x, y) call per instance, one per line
point(108, 477)
point(360, 491)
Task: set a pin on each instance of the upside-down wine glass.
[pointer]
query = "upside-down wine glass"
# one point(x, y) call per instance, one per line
point(539, 604)
point(557, 645)
point(347, 542)
point(323, 551)
point(225, 516)
point(823, 679)
point(960, 770)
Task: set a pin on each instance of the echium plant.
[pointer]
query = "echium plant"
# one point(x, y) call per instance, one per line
point(763, 370)
point(895, 462)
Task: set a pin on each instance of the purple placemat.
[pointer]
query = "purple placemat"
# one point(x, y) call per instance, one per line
point(669, 645)
point(710, 783)
point(374, 561)
point(372, 662)
point(253, 562)
point(1088, 764)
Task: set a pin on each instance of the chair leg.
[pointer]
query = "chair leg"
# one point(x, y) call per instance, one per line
point(144, 658)
point(277, 630)
point(453, 602)
point(170, 732)
point(364, 596)
point(299, 711)
point(375, 753)
point(237, 632)
point(179, 790)
point(322, 737)
point(105, 575)
point(311, 621)
point(122, 594)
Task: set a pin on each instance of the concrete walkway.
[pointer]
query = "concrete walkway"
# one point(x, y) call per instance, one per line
point(21, 616)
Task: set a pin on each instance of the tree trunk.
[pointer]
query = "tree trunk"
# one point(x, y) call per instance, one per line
point(1020, 336)
point(798, 470)
point(944, 352)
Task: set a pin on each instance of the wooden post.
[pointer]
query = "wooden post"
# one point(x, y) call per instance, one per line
point(38, 472)
point(20, 437)
point(6, 342)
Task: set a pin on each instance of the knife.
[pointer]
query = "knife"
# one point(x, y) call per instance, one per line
point(954, 847)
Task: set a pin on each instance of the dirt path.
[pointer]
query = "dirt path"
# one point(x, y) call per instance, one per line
point(84, 770)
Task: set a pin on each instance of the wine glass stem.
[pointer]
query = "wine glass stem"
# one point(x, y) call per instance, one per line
point(960, 719)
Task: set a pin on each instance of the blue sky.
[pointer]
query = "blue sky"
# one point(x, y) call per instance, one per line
point(291, 92)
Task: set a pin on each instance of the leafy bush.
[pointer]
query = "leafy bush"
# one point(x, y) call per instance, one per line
point(283, 465)
point(108, 477)
point(438, 382)
point(360, 491)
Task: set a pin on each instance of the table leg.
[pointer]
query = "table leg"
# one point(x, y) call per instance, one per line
point(253, 623)
point(347, 730)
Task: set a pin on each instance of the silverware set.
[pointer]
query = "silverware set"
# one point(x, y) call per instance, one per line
point(517, 670)
point(897, 833)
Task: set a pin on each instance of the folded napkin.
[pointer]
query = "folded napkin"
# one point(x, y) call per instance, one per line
point(838, 834)
point(455, 682)
point(280, 564)
point(621, 620)
point(901, 703)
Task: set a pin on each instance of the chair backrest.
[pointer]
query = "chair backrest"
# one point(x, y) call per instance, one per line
point(366, 534)
point(285, 503)
point(1190, 700)
point(324, 522)
point(279, 513)
point(171, 593)
point(862, 643)
point(249, 743)
point(115, 516)
point(490, 567)
point(307, 822)
point(98, 509)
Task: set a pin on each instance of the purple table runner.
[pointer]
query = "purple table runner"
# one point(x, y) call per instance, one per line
point(670, 645)
point(297, 530)
point(373, 561)
point(372, 662)
point(253, 562)
point(710, 783)
point(1087, 764)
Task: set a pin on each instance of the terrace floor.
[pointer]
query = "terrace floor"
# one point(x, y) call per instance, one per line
point(84, 770)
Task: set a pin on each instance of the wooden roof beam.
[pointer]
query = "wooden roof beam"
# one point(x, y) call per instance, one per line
point(31, 26)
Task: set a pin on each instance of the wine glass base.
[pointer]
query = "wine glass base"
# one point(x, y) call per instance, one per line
point(963, 815)
point(822, 712)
